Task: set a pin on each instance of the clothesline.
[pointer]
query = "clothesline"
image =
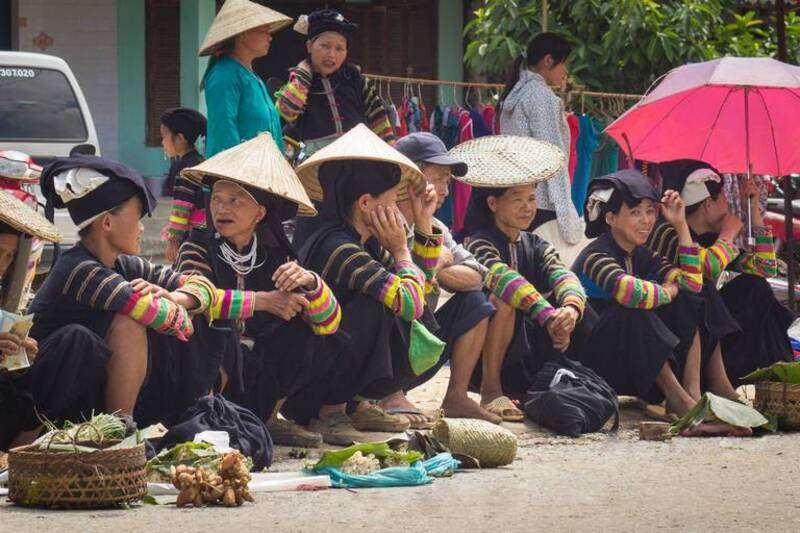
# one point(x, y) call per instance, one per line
point(498, 86)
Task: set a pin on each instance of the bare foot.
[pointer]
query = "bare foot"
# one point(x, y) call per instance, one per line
point(488, 395)
point(398, 401)
point(679, 406)
point(461, 406)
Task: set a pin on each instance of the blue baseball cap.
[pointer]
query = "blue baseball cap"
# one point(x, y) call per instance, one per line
point(428, 148)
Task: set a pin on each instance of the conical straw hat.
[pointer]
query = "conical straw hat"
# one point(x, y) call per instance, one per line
point(24, 219)
point(238, 16)
point(359, 143)
point(256, 163)
point(508, 161)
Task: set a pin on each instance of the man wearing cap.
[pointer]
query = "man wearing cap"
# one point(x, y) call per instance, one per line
point(464, 318)
point(743, 319)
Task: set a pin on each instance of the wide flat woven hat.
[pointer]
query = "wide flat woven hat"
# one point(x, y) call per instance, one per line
point(359, 143)
point(22, 218)
point(256, 163)
point(508, 161)
point(238, 16)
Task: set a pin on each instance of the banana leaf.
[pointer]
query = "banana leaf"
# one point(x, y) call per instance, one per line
point(380, 450)
point(713, 408)
point(781, 371)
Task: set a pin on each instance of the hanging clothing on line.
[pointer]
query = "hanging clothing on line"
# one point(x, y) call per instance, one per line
point(586, 145)
point(489, 116)
point(574, 132)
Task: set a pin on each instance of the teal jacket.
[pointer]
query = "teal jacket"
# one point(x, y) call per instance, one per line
point(239, 106)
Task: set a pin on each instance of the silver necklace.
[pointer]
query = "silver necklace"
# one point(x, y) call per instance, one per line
point(242, 264)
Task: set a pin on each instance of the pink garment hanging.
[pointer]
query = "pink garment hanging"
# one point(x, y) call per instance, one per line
point(462, 191)
point(574, 133)
point(489, 118)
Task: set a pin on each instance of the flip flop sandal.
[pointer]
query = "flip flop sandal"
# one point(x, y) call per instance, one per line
point(505, 409)
point(427, 423)
point(376, 419)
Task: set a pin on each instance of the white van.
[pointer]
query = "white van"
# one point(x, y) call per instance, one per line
point(42, 109)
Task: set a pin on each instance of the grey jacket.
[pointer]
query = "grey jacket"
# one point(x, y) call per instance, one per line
point(532, 109)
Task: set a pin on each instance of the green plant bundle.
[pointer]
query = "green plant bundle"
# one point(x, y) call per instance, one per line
point(381, 450)
point(781, 371)
point(713, 408)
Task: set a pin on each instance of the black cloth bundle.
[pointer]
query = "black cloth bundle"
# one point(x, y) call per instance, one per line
point(214, 413)
point(571, 399)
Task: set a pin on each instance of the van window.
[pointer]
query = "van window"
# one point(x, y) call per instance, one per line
point(38, 105)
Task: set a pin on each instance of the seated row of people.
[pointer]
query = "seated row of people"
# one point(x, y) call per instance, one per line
point(323, 337)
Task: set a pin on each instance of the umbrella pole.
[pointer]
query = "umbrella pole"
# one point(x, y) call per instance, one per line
point(788, 224)
point(750, 240)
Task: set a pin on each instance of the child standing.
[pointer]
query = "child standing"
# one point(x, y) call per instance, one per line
point(180, 129)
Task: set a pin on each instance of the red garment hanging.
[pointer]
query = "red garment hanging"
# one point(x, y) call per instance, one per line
point(574, 133)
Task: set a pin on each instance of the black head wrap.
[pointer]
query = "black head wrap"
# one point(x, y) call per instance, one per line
point(124, 182)
point(344, 182)
point(324, 20)
point(186, 121)
point(675, 173)
point(478, 214)
point(629, 186)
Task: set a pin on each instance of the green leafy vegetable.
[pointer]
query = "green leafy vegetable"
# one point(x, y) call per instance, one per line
point(781, 371)
point(380, 450)
point(713, 408)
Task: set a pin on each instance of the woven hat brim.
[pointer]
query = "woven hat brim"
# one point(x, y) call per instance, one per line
point(256, 163)
point(508, 161)
point(238, 18)
point(360, 143)
point(22, 218)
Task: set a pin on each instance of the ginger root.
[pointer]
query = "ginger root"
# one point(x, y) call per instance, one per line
point(199, 487)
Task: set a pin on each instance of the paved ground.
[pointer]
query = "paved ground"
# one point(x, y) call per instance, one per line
point(599, 483)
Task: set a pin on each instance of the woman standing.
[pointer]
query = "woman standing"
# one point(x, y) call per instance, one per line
point(326, 95)
point(530, 108)
point(239, 105)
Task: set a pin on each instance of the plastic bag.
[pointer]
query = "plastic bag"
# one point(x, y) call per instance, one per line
point(420, 473)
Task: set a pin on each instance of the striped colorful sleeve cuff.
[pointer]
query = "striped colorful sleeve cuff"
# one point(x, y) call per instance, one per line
point(762, 261)
point(159, 314)
point(323, 312)
point(403, 292)
point(637, 293)
point(425, 252)
point(201, 289)
point(512, 288)
point(178, 220)
point(689, 261)
point(291, 99)
point(568, 290)
point(233, 305)
point(717, 257)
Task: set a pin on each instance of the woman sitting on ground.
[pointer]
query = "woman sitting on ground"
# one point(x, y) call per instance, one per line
point(647, 332)
point(17, 410)
point(743, 319)
point(278, 312)
point(526, 330)
point(361, 250)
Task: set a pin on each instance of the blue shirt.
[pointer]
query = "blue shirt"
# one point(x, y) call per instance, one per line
point(239, 107)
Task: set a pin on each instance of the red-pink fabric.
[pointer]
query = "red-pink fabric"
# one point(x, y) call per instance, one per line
point(698, 112)
point(489, 118)
point(574, 132)
point(461, 191)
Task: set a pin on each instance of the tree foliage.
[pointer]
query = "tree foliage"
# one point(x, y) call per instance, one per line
point(624, 45)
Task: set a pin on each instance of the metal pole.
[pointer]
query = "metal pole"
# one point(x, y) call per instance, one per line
point(543, 19)
point(788, 226)
point(750, 240)
point(781, 29)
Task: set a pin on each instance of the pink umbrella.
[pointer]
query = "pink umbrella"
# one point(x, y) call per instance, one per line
point(739, 114)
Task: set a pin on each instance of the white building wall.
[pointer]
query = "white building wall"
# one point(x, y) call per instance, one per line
point(84, 34)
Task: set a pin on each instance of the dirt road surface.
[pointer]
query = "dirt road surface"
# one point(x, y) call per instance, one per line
point(599, 482)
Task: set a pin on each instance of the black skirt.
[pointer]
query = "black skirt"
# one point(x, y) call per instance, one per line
point(461, 313)
point(289, 360)
point(530, 348)
point(66, 382)
point(628, 347)
point(764, 321)
point(364, 357)
point(178, 373)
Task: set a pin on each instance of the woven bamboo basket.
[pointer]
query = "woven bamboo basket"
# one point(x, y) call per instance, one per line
point(80, 480)
point(489, 443)
point(779, 399)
